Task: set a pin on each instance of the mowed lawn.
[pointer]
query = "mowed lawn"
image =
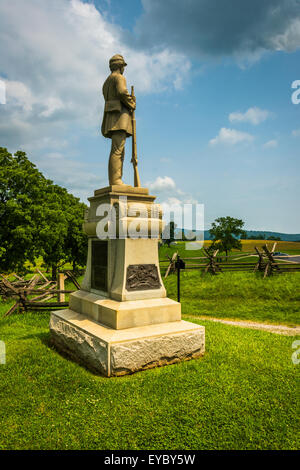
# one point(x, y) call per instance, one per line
point(239, 295)
point(241, 395)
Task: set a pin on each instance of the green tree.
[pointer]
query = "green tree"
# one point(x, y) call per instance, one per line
point(76, 240)
point(169, 232)
point(61, 237)
point(37, 217)
point(21, 185)
point(225, 234)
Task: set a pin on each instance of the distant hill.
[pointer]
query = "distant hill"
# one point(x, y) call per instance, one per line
point(287, 237)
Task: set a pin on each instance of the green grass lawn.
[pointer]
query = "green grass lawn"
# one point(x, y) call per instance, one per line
point(241, 295)
point(241, 395)
point(235, 295)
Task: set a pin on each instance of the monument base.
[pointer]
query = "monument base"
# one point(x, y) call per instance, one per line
point(128, 314)
point(119, 352)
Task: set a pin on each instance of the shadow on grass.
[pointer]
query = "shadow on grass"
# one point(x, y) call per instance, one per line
point(67, 354)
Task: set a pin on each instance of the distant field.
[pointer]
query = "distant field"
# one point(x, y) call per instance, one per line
point(292, 248)
point(248, 245)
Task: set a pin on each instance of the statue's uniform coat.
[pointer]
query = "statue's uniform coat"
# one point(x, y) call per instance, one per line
point(118, 102)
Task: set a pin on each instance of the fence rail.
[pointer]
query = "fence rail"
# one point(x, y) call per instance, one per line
point(266, 263)
point(39, 286)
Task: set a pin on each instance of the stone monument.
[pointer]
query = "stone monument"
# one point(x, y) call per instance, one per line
point(121, 320)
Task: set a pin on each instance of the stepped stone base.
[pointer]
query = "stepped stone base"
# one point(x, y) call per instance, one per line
point(128, 314)
point(118, 352)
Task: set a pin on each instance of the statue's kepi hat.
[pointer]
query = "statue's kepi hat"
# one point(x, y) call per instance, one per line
point(117, 59)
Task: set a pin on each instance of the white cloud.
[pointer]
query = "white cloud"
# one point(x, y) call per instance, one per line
point(52, 104)
point(231, 137)
point(253, 115)
point(55, 155)
point(296, 133)
point(170, 203)
point(271, 144)
point(2, 92)
point(19, 95)
point(71, 173)
point(185, 213)
point(289, 40)
point(173, 200)
point(162, 183)
point(55, 58)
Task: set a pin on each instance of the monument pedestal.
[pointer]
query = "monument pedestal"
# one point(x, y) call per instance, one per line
point(118, 352)
point(121, 321)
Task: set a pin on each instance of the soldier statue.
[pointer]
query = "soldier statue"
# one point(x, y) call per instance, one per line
point(117, 121)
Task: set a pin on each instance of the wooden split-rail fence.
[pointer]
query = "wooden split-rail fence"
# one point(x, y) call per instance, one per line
point(35, 293)
point(212, 263)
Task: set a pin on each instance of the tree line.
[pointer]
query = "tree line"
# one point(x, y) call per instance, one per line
point(41, 219)
point(37, 218)
point(225, 233)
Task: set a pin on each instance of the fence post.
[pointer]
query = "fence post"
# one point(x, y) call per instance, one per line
point(60, 286)
point(180, 264)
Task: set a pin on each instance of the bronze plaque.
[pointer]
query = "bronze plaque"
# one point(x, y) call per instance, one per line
point(142, 276)
point(99, 265)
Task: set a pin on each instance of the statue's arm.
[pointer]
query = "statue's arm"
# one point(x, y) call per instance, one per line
point(123, 93)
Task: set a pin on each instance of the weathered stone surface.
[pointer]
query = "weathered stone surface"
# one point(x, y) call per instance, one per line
point(79, 344)
point(145, 353)
point(119, 352)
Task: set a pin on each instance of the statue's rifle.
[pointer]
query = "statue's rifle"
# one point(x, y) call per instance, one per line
point(134, 160)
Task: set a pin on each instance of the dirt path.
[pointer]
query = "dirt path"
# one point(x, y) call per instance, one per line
point(278, 329)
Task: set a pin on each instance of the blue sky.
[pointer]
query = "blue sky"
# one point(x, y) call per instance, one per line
point(215, 120)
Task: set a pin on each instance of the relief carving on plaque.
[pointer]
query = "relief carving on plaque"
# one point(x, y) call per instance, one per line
point(142, 276)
